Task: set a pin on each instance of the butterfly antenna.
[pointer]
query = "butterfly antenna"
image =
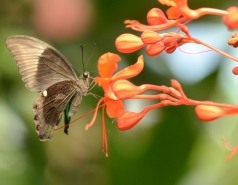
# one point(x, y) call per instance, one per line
point(82, 57)
point(91, 53)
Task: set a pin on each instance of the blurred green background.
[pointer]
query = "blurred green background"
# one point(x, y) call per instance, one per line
point(169, 147)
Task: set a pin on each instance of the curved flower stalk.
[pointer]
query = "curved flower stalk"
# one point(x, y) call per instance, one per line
point(117, 88)
point(179, 12)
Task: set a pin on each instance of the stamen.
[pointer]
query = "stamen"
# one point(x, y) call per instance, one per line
point(95, 115)
point(104, 134)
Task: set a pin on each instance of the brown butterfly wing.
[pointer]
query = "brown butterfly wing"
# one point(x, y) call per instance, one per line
point(40, 65)
point(49, 107)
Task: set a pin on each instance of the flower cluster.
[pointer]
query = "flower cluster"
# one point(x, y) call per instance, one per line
point(156, 43)
point(179, 12)
point(117, 88)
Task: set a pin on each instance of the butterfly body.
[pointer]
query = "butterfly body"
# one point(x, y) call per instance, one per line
point(45, 69)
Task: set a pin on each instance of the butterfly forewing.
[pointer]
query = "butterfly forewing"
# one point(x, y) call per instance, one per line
point(45, 69)
point(39, 64)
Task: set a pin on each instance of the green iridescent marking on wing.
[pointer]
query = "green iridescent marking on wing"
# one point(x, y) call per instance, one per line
point(67, 118)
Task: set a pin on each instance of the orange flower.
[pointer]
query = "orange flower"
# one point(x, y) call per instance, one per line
point(115, 87)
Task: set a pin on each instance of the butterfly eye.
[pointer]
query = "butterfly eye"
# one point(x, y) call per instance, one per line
point(85, 75)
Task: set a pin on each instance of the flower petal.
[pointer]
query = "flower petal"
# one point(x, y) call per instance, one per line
point(115, 108)
point(123, 89)
point(130, 71)
point(107, 64)
point(168, 2)
point(173, 13)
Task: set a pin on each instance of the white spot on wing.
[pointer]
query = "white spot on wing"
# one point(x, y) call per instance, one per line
point(44, 93)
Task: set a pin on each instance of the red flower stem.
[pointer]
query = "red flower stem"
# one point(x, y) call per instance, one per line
point(137, 26)
point(157, 105)
point(155, 97)
point(215, 49)
point(163, 88)
point(210, 11)
point(195, 102)
point(150, 107)
point(197, 41)
point(187, 101)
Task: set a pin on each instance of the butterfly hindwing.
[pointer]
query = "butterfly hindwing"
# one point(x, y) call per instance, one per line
point(39, 64)
point(49, 107)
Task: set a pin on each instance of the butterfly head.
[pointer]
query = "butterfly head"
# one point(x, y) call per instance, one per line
point(85, 76)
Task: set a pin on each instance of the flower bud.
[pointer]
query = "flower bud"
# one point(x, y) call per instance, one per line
point(156, 17)
point(235, 70)
point(151, 37)
point(128, 43)
point(155, 49)
point(208, 113)
point(129, 119)
point(231, 19)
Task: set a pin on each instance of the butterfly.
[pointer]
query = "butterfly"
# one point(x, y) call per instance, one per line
point(45, 69)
